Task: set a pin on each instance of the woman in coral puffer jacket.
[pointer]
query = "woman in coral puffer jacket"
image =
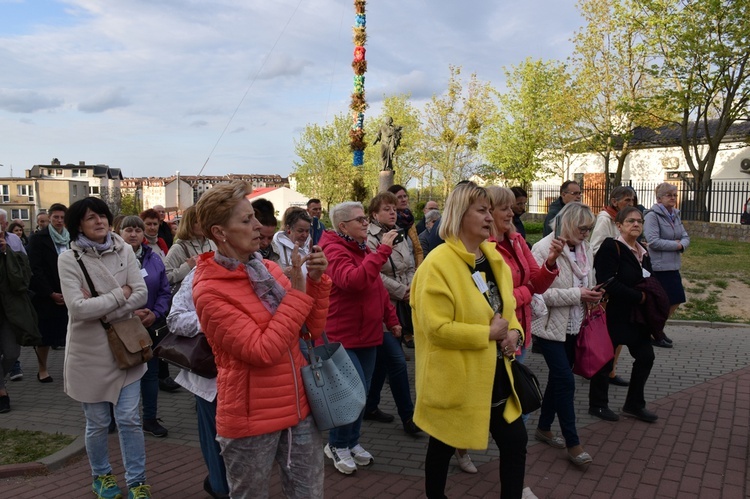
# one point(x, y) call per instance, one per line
point(252, 315)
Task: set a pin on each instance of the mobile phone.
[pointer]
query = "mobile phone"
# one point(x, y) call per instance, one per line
point(603, 284)
point(399, 237)
point(558, 227)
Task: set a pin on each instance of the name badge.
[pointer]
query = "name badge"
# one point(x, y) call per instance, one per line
point(144, 273)
point(479, 281)
point(646, 273)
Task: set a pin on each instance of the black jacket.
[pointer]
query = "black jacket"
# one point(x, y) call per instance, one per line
point(616, 259)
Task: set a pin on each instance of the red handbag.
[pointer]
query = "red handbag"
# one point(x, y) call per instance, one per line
point(593, 345)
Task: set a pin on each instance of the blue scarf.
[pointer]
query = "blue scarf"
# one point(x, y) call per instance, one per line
point(362, 246)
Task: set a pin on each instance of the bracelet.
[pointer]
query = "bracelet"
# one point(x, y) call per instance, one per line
point(519, 342)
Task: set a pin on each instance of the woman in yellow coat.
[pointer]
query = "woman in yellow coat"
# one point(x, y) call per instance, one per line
point(465, 326)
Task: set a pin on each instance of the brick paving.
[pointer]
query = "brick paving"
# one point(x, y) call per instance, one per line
point(698, 448)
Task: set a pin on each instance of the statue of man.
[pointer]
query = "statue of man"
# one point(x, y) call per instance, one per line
point(389, 137)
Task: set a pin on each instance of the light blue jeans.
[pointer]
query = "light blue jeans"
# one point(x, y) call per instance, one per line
point(132, 444)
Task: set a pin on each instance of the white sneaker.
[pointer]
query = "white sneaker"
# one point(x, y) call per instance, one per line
point(464, 462)
point(528, 494)
point(361, 456)
point(342, 459)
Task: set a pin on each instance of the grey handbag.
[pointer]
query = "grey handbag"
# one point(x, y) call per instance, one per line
point(335, 392)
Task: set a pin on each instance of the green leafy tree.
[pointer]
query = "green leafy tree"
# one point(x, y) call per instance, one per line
point(453, 125)
point(534, 123)
point(703, 75)
point(324, 167)
point(611, 80)
point(130, 205)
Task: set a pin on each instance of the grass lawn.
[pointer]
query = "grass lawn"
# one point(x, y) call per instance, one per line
point(20, 446)
point(711, 270)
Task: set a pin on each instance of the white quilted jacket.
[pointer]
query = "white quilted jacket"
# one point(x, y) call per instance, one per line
point(561, 295)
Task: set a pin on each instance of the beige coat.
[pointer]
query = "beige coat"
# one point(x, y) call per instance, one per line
point(90, 371)
point(398, 283)
point(176, 260)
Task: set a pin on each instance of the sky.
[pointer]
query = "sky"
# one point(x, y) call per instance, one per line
point(150, 86)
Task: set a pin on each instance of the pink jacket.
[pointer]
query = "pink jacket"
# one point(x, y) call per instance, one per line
point(528, 278)
point(359, 301)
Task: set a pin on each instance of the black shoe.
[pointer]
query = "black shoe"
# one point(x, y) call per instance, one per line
point(210, 491)
point(661, 343)
point(641, 414)
point(4, 404)
point(153, 427)
point(168, 385)
point(379, 416)
point(618, 381)
point(667, 339)
point(604, 413)
point(411, 428)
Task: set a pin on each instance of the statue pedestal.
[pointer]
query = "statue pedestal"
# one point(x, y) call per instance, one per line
point(386, 180)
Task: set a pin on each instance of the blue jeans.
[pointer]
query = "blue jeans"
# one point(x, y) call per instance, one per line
point(561, 387)
point(150, 388)
point(217, 472)
point(132, 445)
point(391, 361)
point(364, 361)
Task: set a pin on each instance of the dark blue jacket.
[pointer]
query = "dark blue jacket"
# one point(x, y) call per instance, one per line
point(155, 276)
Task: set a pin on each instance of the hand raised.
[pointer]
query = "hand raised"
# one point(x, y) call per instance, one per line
point(389, 237)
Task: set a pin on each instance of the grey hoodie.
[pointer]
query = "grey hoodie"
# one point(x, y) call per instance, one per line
point(663, 238)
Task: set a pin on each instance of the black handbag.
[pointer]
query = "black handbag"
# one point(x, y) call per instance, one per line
point(527, 387)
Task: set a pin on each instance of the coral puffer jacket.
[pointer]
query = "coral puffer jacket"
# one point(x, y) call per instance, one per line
point(257, 354)
point(359, 301)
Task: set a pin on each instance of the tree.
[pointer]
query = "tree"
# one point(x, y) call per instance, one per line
point(130, 205)
point(703, 75)
point(534, 123)
point(324, 169)
point(611, 79)
point(454, 123)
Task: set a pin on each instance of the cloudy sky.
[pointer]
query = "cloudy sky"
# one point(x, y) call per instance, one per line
point(149, 86)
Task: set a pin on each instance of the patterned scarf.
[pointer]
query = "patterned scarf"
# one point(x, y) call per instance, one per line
point(362, 246)
point(404, 219)
point(268, 289)
point(84, 242)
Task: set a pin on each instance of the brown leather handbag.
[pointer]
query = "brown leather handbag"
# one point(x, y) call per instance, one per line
point(128, 338)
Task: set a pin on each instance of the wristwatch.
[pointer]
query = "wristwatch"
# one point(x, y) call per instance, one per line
point(519, 342)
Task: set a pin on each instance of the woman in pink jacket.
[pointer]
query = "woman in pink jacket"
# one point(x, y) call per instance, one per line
point(252, 314)
point(359, 306)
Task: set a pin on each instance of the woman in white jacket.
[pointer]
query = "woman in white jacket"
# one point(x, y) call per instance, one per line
point(296, 230)
point(555, 333)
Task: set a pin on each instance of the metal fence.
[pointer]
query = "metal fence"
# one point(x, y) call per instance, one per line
point(721, 203)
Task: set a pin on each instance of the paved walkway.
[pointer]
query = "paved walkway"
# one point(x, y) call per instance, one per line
point(698, 448)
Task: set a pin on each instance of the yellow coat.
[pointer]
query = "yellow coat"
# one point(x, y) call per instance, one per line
point(455, 360)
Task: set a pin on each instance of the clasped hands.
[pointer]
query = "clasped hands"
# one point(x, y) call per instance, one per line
point(507, 338)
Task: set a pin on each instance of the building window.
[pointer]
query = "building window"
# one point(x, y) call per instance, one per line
point(4, 194)
point(93, 190)
point(20, 213)
point(26, 191)
point(80, 172)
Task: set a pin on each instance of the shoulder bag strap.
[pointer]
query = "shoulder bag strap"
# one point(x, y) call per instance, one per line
point(86, 276)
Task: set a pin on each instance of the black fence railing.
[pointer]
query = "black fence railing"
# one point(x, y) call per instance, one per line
point(721, 202)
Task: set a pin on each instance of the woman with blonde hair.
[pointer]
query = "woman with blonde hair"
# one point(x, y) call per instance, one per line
point(190, 243)
point(252, 315)
point(555, 334)
point(466, 332)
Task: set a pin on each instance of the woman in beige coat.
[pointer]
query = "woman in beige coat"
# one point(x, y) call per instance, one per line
point(91, 375)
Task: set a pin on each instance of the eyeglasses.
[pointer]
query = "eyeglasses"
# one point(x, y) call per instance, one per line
point(634, 220)
point(358, 219)
point(586, 229)
point(576, 193)
point(670, 195)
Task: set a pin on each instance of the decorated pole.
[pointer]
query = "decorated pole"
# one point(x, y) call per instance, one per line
point(358, 104)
